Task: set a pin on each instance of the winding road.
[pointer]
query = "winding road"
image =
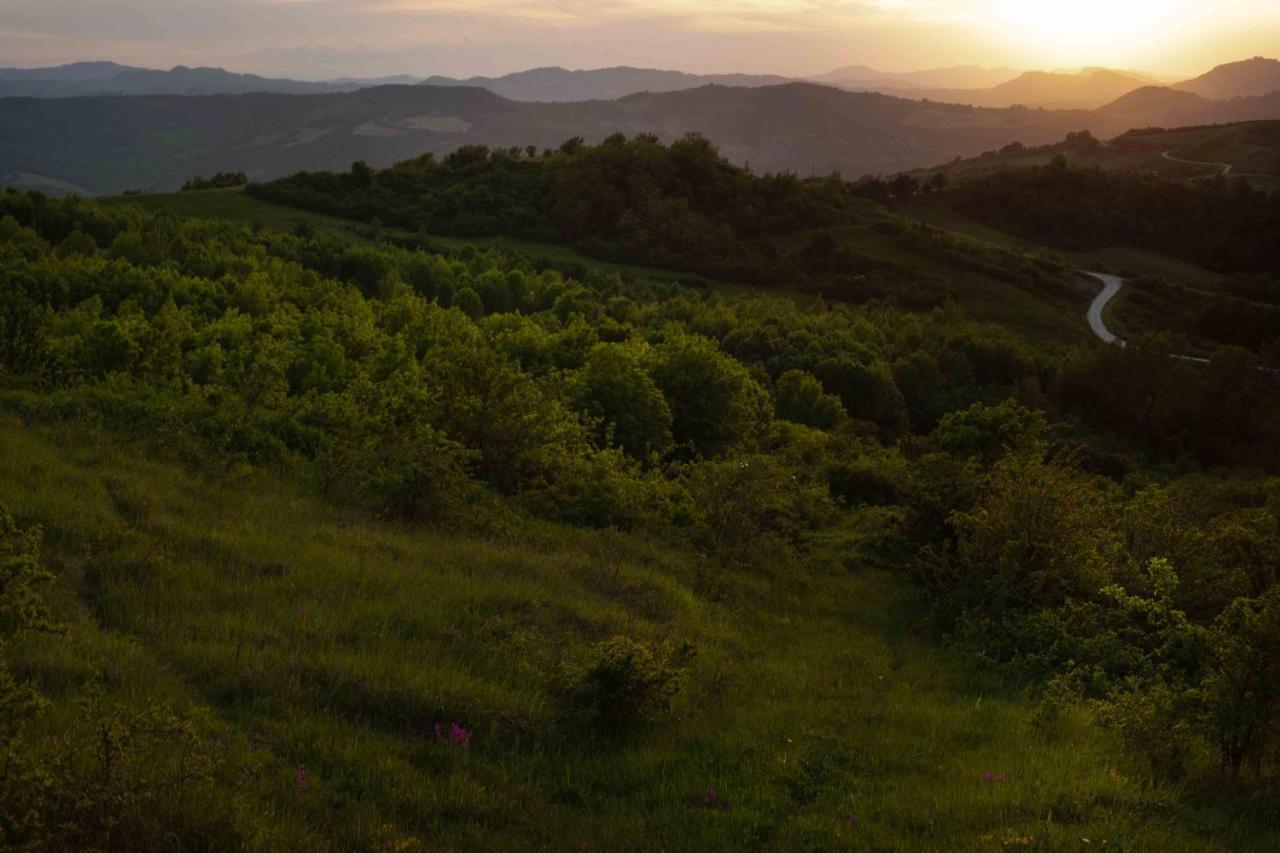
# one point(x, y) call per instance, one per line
point(1225, 167)
point(1111, 287)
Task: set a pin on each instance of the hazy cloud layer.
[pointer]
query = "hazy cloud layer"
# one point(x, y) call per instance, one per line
point(324, 38)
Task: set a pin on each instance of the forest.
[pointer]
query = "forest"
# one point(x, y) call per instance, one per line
point(1092, 529)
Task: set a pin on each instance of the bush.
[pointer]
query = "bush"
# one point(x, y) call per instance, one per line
point(624, 684)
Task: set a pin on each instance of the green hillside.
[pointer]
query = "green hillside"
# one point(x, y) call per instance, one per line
point(314, 541)
point(1187, 154)
point(296, 642)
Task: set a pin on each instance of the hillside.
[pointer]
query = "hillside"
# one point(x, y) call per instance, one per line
point(1089, 89)
point(602, 84)
point(109, 78)
point(350, 545)
point(957, 77)
point(1251, 149)
point(1257, 76)
point(681, 207)
point(1155, 106)
point(158, 142)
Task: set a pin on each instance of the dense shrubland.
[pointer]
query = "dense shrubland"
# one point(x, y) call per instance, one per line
point(682, 207)
point(1100, 525)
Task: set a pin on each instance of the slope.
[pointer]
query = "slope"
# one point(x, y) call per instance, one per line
point(1257, 76)
point(308, 640)
point(157, 142)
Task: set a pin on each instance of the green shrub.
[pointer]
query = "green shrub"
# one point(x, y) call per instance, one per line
point(623, 684)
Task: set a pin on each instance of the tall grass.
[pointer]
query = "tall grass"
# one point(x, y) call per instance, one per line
point(323, 649)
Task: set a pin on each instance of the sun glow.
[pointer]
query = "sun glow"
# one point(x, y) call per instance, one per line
point(1090, 28)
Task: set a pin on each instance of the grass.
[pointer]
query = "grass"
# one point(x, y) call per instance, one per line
point(1109, 259)
point(984, 297)
point(321, 640)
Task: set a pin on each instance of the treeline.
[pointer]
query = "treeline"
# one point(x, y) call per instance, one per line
point(1218, 224)
point(220, 181)
point(680, 207)
point(1053, 503)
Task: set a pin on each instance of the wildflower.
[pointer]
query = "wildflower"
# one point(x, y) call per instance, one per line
point(302, 779)
point(853, 818)
point(999, 777)
point(711, 794)
point(459, 735)
point(986, 776)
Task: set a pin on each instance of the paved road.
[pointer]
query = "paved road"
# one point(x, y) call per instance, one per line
point(1225, 167)
point(1111, 286)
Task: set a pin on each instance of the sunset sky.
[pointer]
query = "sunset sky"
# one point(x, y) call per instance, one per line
point(328, 38)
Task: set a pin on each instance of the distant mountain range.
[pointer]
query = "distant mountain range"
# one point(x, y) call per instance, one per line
point(1089, 88)
point(604, 84)
point(107, 144)
point(110, 144)
point(957, 77)
point(1084, 90)
point(108, 78)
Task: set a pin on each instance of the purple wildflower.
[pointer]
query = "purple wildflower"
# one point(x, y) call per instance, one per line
point(986, 776)
point(853, 818)
point(711, 794)
point(302, 779)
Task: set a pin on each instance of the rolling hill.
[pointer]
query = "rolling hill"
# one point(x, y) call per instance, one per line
point(158, 142)
point(1195, 153)
point(561, 85)
point(1257, 76)
point(110, 78)
point(1087, 89)
point(958, 77)
point(1155, 106)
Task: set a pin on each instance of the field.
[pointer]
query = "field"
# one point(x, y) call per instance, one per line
point(1115, 259)
point(816, 717)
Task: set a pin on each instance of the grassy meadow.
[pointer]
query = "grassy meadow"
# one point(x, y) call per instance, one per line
point(319, 650)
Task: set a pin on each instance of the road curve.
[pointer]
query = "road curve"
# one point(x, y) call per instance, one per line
point(1225, 167)
point(1111, 286)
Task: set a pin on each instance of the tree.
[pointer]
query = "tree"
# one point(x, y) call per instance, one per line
point(800, 398)
point(904, 186)
point(614, 387)
point(361, 173)
point(469, 302)
point(989, 432)
point(714, 401)
point(1241, 692)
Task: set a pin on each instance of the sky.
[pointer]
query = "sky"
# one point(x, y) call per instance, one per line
point(318, 39)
